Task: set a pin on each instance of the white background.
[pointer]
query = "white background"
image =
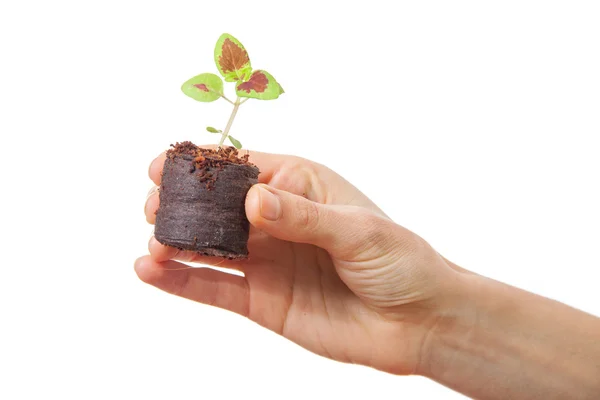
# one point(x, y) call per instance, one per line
point(475, 124)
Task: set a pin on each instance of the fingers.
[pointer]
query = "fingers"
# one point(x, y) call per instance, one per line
point(204, 285)
point(156, 167)
point(344, 231)
point(161, 253)
point(151, 205)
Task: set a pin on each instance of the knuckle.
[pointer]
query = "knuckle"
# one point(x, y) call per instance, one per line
point(375, 230)
point(376, 236)
point(301, 177)
point(307, 215)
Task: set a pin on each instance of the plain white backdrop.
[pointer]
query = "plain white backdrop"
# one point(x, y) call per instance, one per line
point(474, 124)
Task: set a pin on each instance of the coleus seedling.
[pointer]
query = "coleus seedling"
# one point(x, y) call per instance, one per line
point(234, 65)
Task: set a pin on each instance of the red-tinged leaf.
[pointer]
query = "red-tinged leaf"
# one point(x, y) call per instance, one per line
point(257, 82)
point(204, 87)
point(261, 85)
point(232, 59)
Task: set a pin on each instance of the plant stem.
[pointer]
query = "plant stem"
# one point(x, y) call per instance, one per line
point(225, 133)
point(225, 98)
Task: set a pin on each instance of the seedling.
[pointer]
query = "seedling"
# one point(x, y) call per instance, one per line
point(203, 191)
point(234, 65)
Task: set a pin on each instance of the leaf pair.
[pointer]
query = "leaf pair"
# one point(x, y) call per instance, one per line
point(234, 65)
point(236, 143)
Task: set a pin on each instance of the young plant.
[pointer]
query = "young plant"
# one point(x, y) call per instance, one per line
point(234, 65)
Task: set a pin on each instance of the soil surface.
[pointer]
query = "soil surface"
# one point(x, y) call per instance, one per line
point(207, 160)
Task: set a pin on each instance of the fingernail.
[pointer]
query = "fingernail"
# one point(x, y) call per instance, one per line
point(151, 192)
point(270, 208)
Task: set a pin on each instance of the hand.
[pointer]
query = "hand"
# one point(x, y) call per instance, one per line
point(327, 269)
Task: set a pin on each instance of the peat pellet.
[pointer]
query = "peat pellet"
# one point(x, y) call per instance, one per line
point(202, 197)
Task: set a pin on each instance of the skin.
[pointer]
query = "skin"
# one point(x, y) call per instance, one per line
point(331, 272)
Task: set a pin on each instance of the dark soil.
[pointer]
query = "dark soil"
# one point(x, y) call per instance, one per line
point(202, 197)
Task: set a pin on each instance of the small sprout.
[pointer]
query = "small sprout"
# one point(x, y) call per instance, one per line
point(234, 65)
point(236, 143)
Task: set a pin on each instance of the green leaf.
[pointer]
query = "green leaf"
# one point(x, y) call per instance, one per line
point(232, 59)
point(236, 143)
point(261, 85)
point(213, 130)
point(204, 87)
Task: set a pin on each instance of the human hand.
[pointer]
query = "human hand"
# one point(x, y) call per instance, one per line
point(327, 268)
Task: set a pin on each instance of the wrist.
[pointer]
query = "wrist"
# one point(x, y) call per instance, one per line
point(453, 330)
point(453, 327)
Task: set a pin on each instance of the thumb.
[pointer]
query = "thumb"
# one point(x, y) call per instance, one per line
point(340, 230)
